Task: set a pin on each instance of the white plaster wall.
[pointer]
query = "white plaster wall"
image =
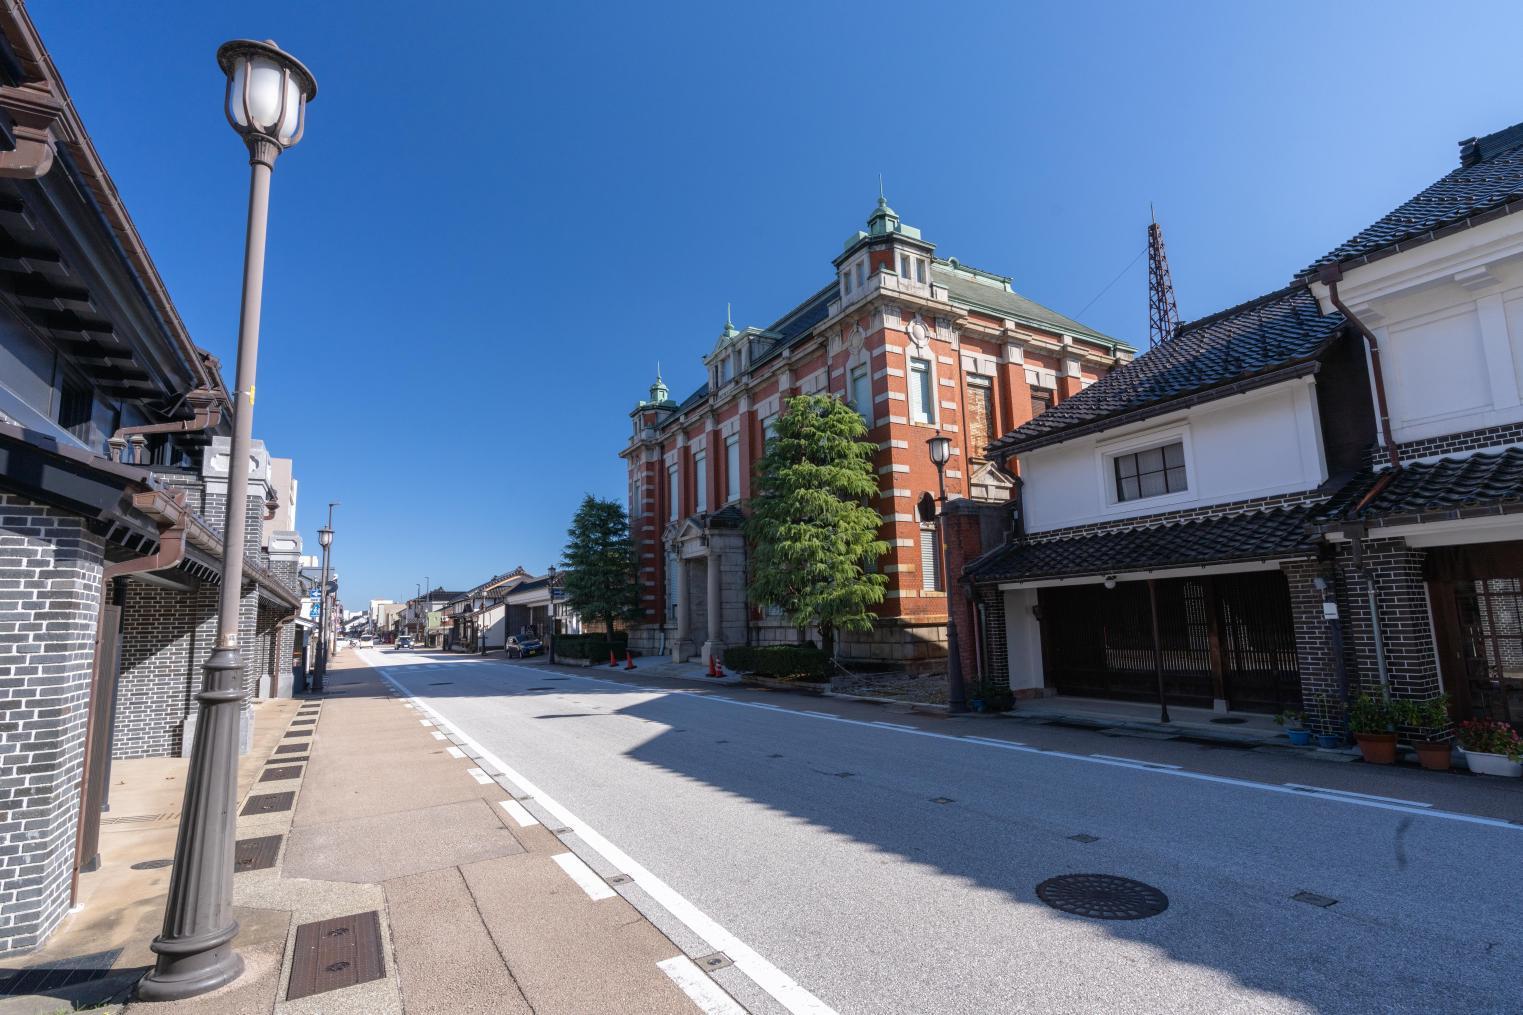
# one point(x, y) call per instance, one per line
point(1023, 639)
point(1258, 444)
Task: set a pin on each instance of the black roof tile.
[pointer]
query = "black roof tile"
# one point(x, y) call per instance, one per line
point(1256, 338)
point(1490, 175)
point(1262, 535)
point(1449, 484)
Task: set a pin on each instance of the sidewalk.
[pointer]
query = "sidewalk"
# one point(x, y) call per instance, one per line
point(380, 869)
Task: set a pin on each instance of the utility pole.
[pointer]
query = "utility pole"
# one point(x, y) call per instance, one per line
point(1163, 312)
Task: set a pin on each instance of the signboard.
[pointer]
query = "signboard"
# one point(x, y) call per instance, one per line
point(314, 593)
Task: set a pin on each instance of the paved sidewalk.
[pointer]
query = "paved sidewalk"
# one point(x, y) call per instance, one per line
point(457, 899)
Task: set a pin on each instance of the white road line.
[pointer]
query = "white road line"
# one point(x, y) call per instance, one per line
point(455, 752)
point(782, 987)
point(595, 887)
point(893, 725)
point(1361, 796)
point(439, 736)
point(1009, 745)
point(702, 991)
point(518, 813)
point(1134, 761)
point(478, 775)
point(426, 722)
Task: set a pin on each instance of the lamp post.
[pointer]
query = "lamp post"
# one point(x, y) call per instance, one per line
point(267, 93)
point(550, 625)
point(324, 621)
point(957, 702)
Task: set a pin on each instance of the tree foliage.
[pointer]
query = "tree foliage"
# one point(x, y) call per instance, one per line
point(812, 525)
point(600, 558)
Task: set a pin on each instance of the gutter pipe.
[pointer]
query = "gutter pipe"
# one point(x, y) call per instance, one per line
point(208, 413)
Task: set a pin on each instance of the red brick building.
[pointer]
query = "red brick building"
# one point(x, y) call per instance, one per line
point(916, 343)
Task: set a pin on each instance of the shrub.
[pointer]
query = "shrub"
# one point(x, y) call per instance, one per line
point(591, 646)
point(996, 695)
point(1369, 715)
point(799, 662)
point(1488, 736)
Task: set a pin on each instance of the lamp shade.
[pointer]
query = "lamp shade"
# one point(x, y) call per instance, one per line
point(325, 537)
point(267, 90)
point(941, 449)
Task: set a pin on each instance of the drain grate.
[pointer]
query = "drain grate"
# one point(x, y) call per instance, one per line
point(50, 979)
point(288, 761)
point(131, 819)
point(152, 865)
point(1102, 896)
point(302, 722)
point(276, 774)
point(1081, 837)
point(331, 954)
point(1313, 899)
point(298, 733)
point(268, 803)
point(255, 854)
point(290, 748)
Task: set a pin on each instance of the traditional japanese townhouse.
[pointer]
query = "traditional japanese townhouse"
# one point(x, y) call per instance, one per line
point(479, 625)
point(1437, 287)
point(113, 493)
point(920, 345)
point(1183, 486)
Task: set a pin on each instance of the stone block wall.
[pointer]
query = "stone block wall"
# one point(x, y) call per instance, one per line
point(50, 588)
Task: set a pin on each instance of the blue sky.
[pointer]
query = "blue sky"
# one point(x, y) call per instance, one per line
point(504, 214)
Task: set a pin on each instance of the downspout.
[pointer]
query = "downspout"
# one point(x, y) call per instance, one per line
point(171, 550)
point(1330, 275)
point(208, 413)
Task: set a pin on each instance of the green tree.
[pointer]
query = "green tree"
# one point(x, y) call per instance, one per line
point(812, 525)
point(600, 562)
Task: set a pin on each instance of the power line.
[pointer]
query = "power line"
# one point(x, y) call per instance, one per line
point(1113, 281)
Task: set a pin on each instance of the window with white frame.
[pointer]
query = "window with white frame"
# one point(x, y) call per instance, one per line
point(673, 493)
point(732, 467)
point(919, 269)
point(922, 392)
point(930, 560)
point(769, 428)
point(862, 392)
point(700, 482)
point(904, 265)
point(1152, 472)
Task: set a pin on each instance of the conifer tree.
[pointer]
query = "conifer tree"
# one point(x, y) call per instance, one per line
point(600, 561)
point(812, 525)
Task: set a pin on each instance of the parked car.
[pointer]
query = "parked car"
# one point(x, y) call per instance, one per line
point(522, 648)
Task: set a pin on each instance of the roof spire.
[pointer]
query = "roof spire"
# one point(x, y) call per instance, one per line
point(729, 328)
point(659, 392)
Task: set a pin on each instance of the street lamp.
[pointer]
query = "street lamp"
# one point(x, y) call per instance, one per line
point(550, 634)
point(325, 540)
point(941, 451)
point(267, 93)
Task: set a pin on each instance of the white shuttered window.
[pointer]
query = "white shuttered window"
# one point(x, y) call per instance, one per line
point(930, 560)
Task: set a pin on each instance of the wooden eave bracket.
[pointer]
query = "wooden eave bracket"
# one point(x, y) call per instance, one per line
point(36, 124)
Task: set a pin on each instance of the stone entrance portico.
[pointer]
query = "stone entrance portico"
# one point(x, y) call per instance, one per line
point(708, 584)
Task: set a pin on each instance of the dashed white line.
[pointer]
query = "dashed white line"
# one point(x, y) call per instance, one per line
point(439, 736)
point(518, 813)
point(595, 887)
point(426, 722)
point(478, 775)
point(1351, 793)
point(1134, 761)
point(702, 991)
point(455, 752)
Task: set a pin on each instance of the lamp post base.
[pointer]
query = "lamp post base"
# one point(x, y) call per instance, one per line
point(178, 977)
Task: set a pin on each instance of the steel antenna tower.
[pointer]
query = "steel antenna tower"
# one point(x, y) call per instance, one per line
point(1163, 312)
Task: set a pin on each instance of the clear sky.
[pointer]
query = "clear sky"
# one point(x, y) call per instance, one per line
point(503, 214)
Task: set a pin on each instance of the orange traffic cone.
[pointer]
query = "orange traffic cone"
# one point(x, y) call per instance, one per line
point(611, 660)
point(719, 668)
point(629, 660)
point(711, 666)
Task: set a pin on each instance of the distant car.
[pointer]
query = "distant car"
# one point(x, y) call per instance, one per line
point(522, 648)
point(402, 642)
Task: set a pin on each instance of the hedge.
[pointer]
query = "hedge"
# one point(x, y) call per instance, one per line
point(801, 662)
point(591, 646)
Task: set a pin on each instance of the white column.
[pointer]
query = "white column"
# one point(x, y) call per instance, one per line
point(715, 645)
point(682, 646)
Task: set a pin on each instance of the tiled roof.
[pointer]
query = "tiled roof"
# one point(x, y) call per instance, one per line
point(1269, 333)
point(970, 290)
point(1449, 484)
point(1490, 176)
point(1262, 535)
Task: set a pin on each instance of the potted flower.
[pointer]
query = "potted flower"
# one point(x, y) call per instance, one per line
point(1332, 718)
point(1295, 727)
point(1370, 722)
point(1429, 718)
point(1492, 748)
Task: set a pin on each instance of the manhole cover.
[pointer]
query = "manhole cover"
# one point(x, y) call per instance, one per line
point(152, 865)
point(1102, 896)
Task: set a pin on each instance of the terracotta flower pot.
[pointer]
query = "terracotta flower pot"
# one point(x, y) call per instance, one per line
point(1434, 757)
point(1377, 748)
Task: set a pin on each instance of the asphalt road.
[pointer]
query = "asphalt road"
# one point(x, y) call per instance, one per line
point(887, 870)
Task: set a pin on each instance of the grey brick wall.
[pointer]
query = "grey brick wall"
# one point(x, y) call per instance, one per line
point(50, 583)
point(166, 638)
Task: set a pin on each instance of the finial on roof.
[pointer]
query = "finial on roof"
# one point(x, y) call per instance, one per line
point(659, 392)
point(729, 327)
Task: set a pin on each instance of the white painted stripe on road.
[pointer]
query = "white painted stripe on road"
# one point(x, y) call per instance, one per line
point(478, 775)
point(1362, 796)
point(595, 887)
point(455, 752)
point(518, 813)
point(426, 722)
point(1263, 787)
point(782, 987)
point(702, 991)
point(1134, 761)
point(439, 736)
point(893, 725)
